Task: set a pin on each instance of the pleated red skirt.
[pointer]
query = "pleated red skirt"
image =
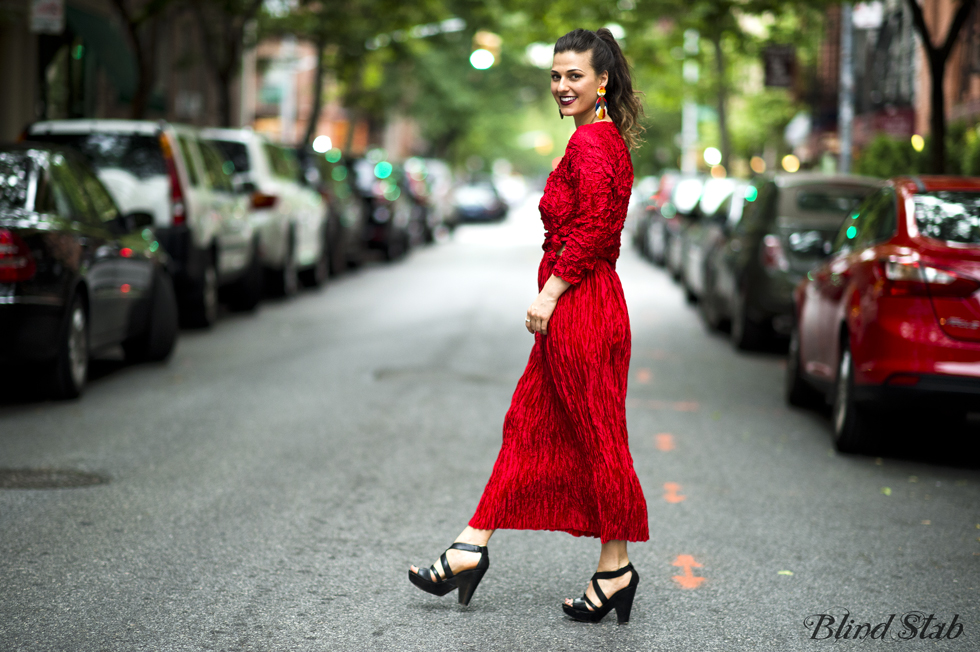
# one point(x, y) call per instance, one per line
point(565, 462)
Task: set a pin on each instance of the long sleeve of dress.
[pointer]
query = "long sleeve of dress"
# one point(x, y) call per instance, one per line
point(594, 233)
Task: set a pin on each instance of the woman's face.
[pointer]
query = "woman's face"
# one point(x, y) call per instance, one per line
point(575, 84)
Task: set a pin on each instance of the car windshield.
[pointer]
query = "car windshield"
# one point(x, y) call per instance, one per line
point(475, 195)
point(822, 204)
point(237, 153)
point(951, 216)
point(138, 154)
point(14, 179)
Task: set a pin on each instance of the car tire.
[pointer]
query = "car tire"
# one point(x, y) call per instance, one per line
point(746, 335)
point(201, 310)
point(70, 370)
point(317, 275)
point(247, 292)
point(708, 306)
point(849, 419)
point(284, 281)
point(797, 391)
point(157, 340)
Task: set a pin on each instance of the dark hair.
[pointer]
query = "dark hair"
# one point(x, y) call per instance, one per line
point(622, 101)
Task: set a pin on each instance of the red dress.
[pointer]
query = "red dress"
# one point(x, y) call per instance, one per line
point(565, 462)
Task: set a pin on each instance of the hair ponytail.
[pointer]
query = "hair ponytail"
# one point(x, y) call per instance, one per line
point(623, 102)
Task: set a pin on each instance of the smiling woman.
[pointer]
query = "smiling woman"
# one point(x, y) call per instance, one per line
point(564, 462)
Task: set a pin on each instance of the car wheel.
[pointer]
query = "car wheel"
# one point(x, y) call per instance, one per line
point(746, 334)
point(71, 366)
point(708, 306)
point(156, 342)
point(284, 281)
point(202, 310)
point(797, 391)
point(848, 418)
point(316, 276)
point(247, 292)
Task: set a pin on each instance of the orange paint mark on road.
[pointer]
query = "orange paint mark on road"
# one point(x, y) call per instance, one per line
point(665, 441)
point(670, 492)
point(688, 580)
point(654, 404)
point(643, 376)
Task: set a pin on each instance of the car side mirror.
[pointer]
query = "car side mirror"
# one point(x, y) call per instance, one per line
point(243, 187)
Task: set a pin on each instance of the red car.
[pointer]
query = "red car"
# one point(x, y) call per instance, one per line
point(894, 313)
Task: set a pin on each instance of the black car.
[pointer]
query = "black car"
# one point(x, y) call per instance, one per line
point(76, 276)
point(389, 209)
point(330, 175)
point(787, 227)
point(478, 201)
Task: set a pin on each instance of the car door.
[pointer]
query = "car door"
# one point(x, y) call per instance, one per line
point(828, 291)
point(100, 251)
point(234, 232)
point(134, 267)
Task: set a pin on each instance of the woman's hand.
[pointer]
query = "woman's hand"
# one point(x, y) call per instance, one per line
point(539, 314)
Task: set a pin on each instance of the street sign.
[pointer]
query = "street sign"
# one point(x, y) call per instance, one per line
point(780, 65)
point(47, 16)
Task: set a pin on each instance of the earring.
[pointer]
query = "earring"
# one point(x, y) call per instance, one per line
point(600, 103)
point(560, 114)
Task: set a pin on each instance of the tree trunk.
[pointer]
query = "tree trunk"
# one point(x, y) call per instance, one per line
point(321, 46)
point(144, 81)
point(936, 59)
point(721, 69)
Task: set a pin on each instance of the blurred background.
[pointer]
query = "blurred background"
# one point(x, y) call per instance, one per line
point(466, 82)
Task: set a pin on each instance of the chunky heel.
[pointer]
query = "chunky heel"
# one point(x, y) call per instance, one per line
point(467, 581)
point(584, 610)
point(624, 604)
point(432, 581)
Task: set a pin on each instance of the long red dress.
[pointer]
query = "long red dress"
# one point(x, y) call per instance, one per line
point(565, 462)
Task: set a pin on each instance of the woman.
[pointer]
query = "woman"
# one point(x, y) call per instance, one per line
point(565, 462)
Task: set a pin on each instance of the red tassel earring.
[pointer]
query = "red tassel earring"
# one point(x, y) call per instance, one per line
point(600, 104)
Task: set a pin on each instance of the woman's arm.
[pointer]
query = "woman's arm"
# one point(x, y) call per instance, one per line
point(540, 311)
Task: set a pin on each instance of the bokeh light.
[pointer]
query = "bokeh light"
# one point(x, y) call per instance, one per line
point(757, 164)
point(481, 59)
point(712, 156)
point(918, 142)
point(321, 144)
point(791, 163)
point(383, 170)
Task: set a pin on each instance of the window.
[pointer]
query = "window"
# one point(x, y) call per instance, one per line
point(138, 154)
point(235, 152)
point(105, 207)
point(213, 161)
point(70, 197)
point(187, 150)
point(950, 216)
point(14, 179)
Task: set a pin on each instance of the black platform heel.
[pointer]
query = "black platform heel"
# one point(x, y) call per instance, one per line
point(621, 601)
point(429, 580)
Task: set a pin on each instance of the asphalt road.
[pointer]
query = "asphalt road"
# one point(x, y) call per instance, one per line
point(269, 487)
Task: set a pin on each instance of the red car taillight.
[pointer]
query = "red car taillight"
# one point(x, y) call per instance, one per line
point(262, 200)
point(16, 261)
point(772, 256)
point(178, 207)
point(899, 278)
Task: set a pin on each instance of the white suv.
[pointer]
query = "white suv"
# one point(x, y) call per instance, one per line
point(168, 171)
point(291, 218)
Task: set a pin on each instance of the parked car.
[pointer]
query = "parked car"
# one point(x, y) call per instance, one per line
point(712, 241)
point(786, 231)
point(894, 313)
point(76, 274)
point(289, 217)
point(165, 170)
point(677, 202)
point(685, 200)
point(389, 210)
point(649, 232)
point(704, 232)
point(643, 193)
point(441, 183)
point(346, 213)
point(478, 201)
